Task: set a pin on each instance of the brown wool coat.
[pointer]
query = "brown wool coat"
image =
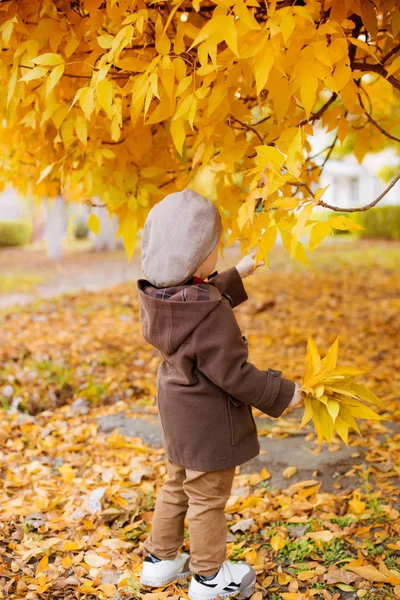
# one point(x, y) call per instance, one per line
point(205, 384)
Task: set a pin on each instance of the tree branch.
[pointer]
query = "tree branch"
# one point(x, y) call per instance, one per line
point(390, 54)
point(320, 112)
point(366, 67)
point(301, 184)
point(367, 206)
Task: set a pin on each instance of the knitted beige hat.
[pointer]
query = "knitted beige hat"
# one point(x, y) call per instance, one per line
point(180, 232)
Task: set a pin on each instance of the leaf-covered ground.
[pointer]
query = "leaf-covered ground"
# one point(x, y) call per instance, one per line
point(75, 503)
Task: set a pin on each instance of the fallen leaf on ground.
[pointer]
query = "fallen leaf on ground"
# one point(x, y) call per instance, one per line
point(289, 472)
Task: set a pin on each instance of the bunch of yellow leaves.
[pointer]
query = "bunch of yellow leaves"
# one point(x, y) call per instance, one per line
point(333, 400)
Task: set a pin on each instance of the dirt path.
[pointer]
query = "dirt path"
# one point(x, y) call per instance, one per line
point(76, 271)
point(79, 270)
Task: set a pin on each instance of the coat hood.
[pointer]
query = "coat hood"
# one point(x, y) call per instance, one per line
point(170, 315)
point(179, 234)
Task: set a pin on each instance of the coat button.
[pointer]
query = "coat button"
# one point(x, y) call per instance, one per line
point(275, 373)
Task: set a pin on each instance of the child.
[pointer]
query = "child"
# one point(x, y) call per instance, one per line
point(205, 390)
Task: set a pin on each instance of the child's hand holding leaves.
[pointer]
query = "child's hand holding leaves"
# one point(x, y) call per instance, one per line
point(297, 397)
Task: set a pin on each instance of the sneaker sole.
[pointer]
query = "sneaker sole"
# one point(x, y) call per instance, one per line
point(160, 582)
point(239, 595)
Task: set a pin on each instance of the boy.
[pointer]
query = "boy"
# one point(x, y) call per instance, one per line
point(205, 390)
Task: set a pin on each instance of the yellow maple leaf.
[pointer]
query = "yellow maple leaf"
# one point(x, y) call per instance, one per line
point(278, 542)
point(357, 506)
point(94, 223)
point(332, 399)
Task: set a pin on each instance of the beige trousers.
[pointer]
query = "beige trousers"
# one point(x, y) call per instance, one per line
point(202, 498)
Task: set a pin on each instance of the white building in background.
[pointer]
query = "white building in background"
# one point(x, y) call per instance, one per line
point(352, 184)
point(12, 206)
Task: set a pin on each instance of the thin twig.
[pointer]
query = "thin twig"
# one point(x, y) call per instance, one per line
point(114, 143)
point(122, 75)
point(94, 205)
point(312, 118)
point(64, 74)
point(318, 153)
point(330, 151)
point(249, 127)
point(262, 120)
point(167, 182)
point(362, 89)
point(371, 120)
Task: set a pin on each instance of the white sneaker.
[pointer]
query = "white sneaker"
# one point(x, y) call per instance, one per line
point(156, 572)
point(234, 580)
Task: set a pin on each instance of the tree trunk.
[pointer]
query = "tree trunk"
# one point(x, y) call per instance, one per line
point(105, 239)
point(54, 226)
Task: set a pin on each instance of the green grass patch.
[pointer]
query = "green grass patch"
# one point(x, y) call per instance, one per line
point(392, 561)
point(54, 372)
point(94, 391)
point(342, 253)
point(334, 552)
point(19, 282)
point(345, 521)
point(297, 551)
point(384, 593)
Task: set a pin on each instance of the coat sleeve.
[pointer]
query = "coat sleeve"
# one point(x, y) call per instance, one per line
point(221, 355)
point(230, 284)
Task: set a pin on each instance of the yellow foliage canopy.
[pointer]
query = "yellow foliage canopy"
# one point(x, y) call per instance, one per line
point(127, 100)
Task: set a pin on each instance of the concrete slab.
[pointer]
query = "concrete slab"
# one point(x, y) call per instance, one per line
point(276, 454)
point(328, 467)
point(144, 429)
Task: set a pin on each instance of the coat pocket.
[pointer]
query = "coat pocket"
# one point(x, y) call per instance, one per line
point(241, 419)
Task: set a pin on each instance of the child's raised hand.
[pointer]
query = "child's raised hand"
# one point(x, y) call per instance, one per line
point(248, 265)
point(297, 397)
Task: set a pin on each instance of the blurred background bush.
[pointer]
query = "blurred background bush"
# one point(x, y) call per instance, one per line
point(81, 230)
point(379, 222)
point(15, 233)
